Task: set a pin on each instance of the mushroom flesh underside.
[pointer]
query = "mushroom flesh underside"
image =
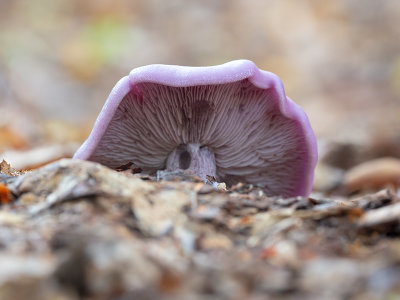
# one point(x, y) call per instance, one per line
point(251, 141)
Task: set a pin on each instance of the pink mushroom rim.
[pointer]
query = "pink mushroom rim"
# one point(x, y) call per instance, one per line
point(231, 121)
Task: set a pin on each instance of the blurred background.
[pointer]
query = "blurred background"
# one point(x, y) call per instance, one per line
point(340, 60)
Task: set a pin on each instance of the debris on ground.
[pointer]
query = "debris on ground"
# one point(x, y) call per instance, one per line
point(78, 230)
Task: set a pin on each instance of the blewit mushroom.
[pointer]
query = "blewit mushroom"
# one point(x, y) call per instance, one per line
point(231, 121)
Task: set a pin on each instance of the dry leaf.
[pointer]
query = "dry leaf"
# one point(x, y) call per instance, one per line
point(5, 194)
point(373, 175)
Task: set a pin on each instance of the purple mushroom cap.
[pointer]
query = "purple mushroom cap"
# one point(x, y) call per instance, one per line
point(231, 121)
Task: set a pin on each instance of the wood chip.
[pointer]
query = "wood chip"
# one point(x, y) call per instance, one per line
point(381, 215)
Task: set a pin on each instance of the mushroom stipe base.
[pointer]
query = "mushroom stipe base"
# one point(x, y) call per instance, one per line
point(193, 157)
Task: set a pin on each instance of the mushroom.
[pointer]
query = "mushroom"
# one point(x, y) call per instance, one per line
point(231, 121)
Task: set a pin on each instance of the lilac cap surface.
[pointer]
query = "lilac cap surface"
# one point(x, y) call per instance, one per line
point(231, 121)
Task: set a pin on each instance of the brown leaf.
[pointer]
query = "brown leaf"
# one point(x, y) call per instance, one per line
point(5, 194)
point(372, 175)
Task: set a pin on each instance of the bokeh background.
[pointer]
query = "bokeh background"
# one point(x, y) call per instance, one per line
point(59, 59)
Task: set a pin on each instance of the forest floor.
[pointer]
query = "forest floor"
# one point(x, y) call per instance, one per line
point(78, 230)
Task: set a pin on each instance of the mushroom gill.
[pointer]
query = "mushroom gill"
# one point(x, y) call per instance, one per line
point(235, 130)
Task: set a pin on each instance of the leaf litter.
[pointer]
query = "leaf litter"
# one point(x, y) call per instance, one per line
point(78, 230)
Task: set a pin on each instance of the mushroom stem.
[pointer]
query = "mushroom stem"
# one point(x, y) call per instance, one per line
point(195, 157)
